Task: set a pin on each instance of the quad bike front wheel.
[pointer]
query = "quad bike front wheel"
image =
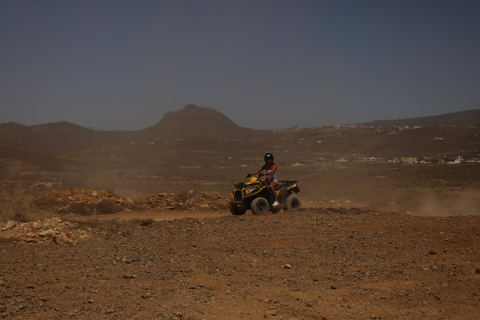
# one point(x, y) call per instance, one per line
point(260, 206)
point(292, 203)
point(235, 211)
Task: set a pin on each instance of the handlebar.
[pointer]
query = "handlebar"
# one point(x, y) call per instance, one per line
point(259, 175)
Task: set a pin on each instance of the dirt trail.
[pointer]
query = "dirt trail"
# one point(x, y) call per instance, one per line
point(160, 215)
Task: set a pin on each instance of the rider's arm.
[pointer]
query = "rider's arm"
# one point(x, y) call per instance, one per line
point(274, 168)
point(258, 171)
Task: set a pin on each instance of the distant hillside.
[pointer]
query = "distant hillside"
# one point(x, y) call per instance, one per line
point(200, 128)
point(60, 136)
point(195, 122)
point(189, 122)
point(14, 156)
point(461, 118)
point(346, 142)
point(20, 134)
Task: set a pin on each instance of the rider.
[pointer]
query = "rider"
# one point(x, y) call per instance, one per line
point(270, 175)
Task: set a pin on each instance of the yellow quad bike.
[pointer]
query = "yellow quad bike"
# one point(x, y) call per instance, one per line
point(256, 195)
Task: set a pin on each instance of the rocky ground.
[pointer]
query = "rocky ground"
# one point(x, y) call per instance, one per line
point(97, 202)
point(316, 263)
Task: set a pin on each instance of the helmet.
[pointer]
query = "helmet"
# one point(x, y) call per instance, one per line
point(268, 156)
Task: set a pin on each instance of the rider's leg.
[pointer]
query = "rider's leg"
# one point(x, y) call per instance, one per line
point(272, 185)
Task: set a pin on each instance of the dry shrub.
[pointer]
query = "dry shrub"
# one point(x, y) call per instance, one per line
point(83, 208)
point(47, 203)
point(108, 207)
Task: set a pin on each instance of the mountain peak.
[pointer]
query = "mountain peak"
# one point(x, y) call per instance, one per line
point(190, 107)
point(194, 121)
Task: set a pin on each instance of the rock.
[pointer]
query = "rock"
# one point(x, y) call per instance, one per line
point(10, 224)
point(48, 233)
point(52, 230)
point(185, 201)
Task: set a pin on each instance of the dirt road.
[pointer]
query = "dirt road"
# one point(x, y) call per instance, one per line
point(311, 264)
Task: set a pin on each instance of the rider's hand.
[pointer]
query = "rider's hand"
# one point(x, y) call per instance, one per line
point(248, 175)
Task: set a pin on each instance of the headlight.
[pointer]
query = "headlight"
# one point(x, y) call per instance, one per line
point(251, 190)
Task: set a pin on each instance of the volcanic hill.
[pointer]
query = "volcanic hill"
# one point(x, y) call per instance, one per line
point(194, 122)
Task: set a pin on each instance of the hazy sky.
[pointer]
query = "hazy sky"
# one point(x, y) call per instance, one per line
point(123, 64)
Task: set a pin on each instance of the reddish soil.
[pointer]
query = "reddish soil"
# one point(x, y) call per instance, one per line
point(310, 264)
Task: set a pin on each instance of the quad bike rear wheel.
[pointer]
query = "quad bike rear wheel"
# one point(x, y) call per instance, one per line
point(235, 211)
point(292, 203)
point(260, 206)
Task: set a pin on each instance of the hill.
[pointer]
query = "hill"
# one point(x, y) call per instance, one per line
point(60, 136)
point(202, 129)
point(461, 118)
point(191, 122)
point(19, 134)
point(194, 122)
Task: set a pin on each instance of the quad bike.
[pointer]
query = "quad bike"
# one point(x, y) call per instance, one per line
point(257, 196)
